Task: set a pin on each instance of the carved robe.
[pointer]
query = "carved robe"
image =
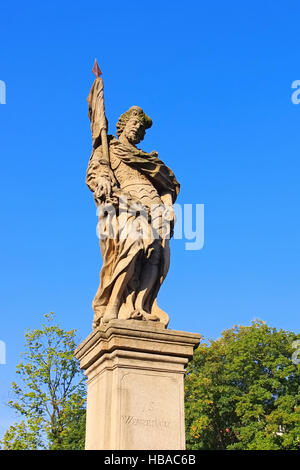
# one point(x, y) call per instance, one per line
point(138, 178)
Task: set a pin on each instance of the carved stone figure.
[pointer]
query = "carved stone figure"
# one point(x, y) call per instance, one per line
point(134, 192)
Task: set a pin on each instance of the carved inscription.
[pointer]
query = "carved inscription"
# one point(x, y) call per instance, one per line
point(150, 411)
point(156, 423)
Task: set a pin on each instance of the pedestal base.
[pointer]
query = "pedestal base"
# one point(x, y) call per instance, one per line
point(135, 373)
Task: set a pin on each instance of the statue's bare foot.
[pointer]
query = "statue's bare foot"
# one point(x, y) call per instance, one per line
point(136, 315)
point(111, 313)
point(150, 316)
point(143, 315)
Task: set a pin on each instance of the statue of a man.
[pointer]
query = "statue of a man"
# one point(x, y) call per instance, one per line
point(134, 266)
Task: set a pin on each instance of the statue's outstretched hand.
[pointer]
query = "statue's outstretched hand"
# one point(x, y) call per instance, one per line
point(103, 189)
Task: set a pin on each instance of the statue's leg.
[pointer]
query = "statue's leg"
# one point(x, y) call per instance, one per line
point(149, 277)
point(113, 306)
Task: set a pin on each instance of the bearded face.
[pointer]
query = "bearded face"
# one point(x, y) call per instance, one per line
point(134, 130)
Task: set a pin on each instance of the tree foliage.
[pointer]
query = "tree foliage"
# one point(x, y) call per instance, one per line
point(51, 395)
point(243, 391)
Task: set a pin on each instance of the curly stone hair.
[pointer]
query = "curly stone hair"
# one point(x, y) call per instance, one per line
point(134, 111)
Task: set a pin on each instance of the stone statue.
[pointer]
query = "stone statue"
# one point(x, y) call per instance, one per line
point(134, 192)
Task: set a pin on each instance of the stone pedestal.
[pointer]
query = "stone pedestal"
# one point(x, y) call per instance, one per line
point(135, 372)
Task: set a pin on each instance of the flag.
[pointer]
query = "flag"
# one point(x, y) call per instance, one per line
point(96, 107)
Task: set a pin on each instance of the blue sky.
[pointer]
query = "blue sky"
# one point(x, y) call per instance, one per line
point(216, 79)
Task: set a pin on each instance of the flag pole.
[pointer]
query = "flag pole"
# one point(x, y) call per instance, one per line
point(99, 116)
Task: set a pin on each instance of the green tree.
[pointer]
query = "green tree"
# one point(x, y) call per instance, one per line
point(52, 394)
point(242, 391)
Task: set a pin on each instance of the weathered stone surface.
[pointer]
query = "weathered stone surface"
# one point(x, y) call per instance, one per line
point(135, 376)
point(134, 192)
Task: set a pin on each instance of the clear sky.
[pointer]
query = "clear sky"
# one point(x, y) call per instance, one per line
point(216, 79)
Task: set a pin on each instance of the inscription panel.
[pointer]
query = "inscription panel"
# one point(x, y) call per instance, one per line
point(151, 412)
